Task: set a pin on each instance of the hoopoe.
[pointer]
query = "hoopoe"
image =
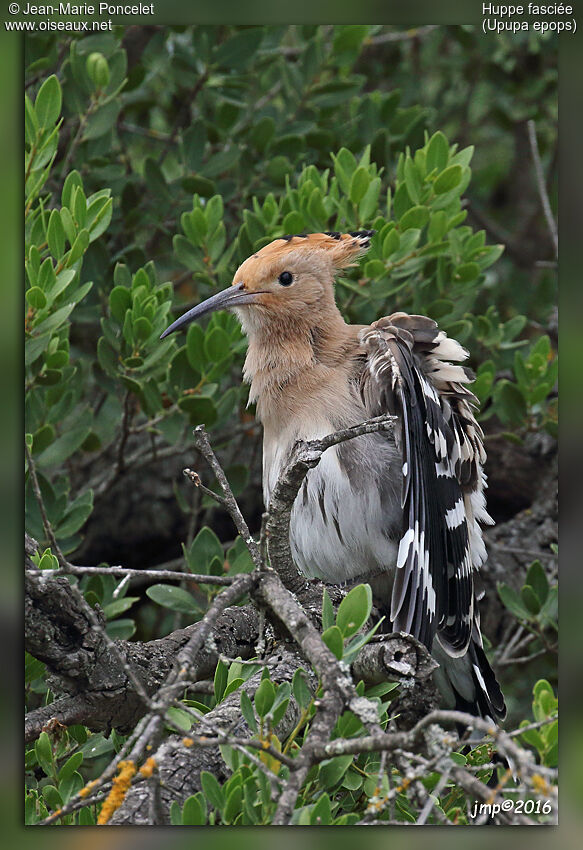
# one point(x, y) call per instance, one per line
point(401, 511)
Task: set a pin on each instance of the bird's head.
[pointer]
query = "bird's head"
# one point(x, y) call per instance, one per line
point(289, 280)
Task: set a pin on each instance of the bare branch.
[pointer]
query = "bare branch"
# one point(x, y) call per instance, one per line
point(541, 186)
point(229, 502)
point(41, 506)
point(126, 572)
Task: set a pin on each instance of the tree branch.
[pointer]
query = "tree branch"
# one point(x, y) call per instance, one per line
point(541, 186)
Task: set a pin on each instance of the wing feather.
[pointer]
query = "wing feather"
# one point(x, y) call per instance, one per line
point(412, 367)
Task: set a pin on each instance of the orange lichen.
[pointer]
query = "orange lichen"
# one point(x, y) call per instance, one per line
point(148, 768)
point(540, 784)
point(188, 742)
point(120, 787)
point(84, 792)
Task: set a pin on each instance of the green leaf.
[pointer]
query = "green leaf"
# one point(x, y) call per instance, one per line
point(217, 345)
point(369, 204)
point(78, 248)
point(72, 181)
point(327, 611)
point(195, 347)
point(381, 690)
point(248, 713)
point(200, 410)
point(354, 610)
point(237, 51)
point(175, 813)
point(321, 814)
point(300, 689)
point(401, 202)
point(293, 222)
point(194, 141)
point(56, 235)
point(220, 680)
point(466, 272)
point(512, 602)
point(42, 438)
point(142, 328)
point(99, 213)
point(221, 162)
point(120, 300)
point(214, 211)
point(70, 766)
point(179, 718)
point(415, 217)
point(391, 243)
point(464, 157)
point(541, 347)
point(530, 599)
point(437, 152)
point(193, 811)
point(262, 132)
point(58, 359)
point(118, 606)
point(76, 515)
point(107, 357)
point(102, 120)
point(205, 546)
point(412, 180)
point(349, 38)
point(352, 780)
point(155, 180)
point(47, 105)
point(96, 745)
point(448, 179)
point(52, 797)
point(344, 168)
point(510, 403)
point(175, 598)
point(488, 256)
point(33, 668)
point(212, 790)
point(233, 805)
point(264, 697)
point(44, 753)
point(332, 770)
point(533, 737)
point(374, 269)
point(332, 637)
point(537, 579)
point(31, 126)
point(359, 184)
point(122, 629)
point(64, 446)
point(36, 298)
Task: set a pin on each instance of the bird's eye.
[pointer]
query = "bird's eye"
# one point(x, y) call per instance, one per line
point(286, 278)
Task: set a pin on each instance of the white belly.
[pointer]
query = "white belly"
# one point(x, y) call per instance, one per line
point(346, 519)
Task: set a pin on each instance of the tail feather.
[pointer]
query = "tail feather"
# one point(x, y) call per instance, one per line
point(469, 683)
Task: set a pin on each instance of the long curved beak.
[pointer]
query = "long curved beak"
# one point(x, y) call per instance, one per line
point(231, 297)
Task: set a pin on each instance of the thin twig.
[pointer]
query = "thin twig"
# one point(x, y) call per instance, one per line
point(55, 548)
point(228, 501)
point(121, 572)
point(541, 185)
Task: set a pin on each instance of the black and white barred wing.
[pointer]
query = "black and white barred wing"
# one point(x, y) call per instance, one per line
point(409, 372)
